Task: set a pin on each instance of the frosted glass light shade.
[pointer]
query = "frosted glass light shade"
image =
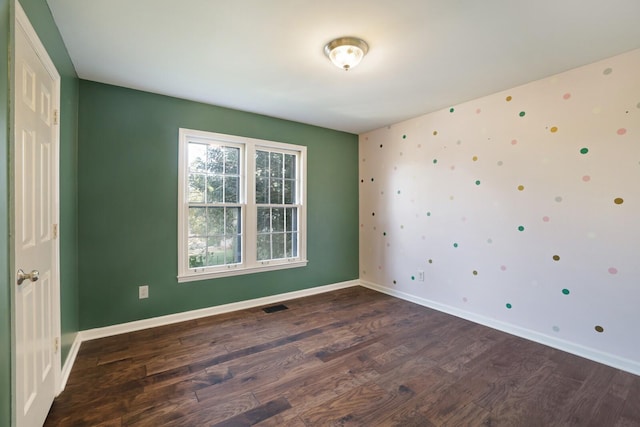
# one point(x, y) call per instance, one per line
point(346, 52)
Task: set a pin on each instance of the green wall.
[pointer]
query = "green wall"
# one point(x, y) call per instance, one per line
point(5, 279)
point(42, 20)
point(127, 199)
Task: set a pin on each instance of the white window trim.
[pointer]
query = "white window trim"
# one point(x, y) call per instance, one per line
point(249, 263)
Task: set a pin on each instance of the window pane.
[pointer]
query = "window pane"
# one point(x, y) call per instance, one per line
point(294, 241)
point(197, 222)
point(277, 219)
point(231, 189)
point(197, 252)
point(232, 225)
point(215, 159)
point(289, 166)
point(215, 221)
point(216, 250)
point(262, 163)
point(288, 245)
point(262, 190)
point(276, 165)
point(278, 245)
point(214, 189)
point(275, 196)
point(197, 156)
point(289, 191)
point(291, 219)
point(231, 161)
point(233, 250)
point(196, 188)
point(264, 220)
point(264, 246)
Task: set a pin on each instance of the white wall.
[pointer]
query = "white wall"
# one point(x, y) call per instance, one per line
point(452, 178)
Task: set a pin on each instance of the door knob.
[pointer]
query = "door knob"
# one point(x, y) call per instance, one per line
point(22, 276)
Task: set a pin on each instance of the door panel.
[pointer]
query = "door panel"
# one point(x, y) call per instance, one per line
point(36, 301)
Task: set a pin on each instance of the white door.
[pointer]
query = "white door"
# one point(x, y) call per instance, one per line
point(36, 94)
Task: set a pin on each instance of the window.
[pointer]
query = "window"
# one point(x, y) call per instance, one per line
point(241, 205)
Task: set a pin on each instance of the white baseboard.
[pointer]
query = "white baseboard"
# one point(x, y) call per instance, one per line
point(577, 349)
point(137, 325)
point(68, 363)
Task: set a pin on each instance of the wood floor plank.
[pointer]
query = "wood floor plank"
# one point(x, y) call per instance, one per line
point(255, 415)
point(348, 357)
point(630, 415)
point(584, 402)
point(538, 401)
point(348, 408)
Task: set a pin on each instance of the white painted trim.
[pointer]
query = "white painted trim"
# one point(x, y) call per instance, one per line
point(232, 271)
point(573, 348)
point(68, 364)
point(137, 325)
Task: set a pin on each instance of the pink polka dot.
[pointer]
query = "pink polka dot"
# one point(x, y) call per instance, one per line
point(453, 167)
point(613, 270)
point(621, 131)
point(464, 218)
point(465, 299)
point(546, 218)
point(503, 267)
point(586, 178)
point(514, 141)
point(478, 111)
point(566, 96)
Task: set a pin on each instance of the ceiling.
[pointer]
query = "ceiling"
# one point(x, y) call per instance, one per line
point(266, 56)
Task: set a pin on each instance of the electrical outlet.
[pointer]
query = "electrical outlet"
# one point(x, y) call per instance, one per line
point(421, 276)
point(143, 291)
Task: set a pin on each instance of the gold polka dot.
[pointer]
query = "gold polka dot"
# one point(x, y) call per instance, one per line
point(618, 200)
point(554, 129)
point(556, 257)
point(474, 158)
point(508, 98)
point(435, 132)
point(599, 328)
point(475, 273)
point(520, 187)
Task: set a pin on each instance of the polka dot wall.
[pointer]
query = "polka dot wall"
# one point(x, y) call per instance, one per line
point(520, 207)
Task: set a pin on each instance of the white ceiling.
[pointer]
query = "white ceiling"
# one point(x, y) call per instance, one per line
point(265, 56)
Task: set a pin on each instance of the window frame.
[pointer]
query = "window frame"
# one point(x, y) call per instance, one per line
point(249, 263)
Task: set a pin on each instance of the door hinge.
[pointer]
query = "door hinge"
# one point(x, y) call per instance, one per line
point(56, 344)
point(56, 117)
point(55, 231)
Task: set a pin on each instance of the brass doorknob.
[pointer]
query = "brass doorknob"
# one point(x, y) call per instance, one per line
point(33, 276)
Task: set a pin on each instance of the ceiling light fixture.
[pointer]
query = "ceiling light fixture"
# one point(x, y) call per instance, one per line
point(346, 52)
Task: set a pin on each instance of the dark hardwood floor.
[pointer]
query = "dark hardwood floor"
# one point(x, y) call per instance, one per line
point(350, 357)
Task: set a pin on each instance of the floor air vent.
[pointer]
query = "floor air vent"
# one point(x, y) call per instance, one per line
point(275, 308)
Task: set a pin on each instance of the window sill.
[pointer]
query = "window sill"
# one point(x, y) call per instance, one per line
point(192, 277)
